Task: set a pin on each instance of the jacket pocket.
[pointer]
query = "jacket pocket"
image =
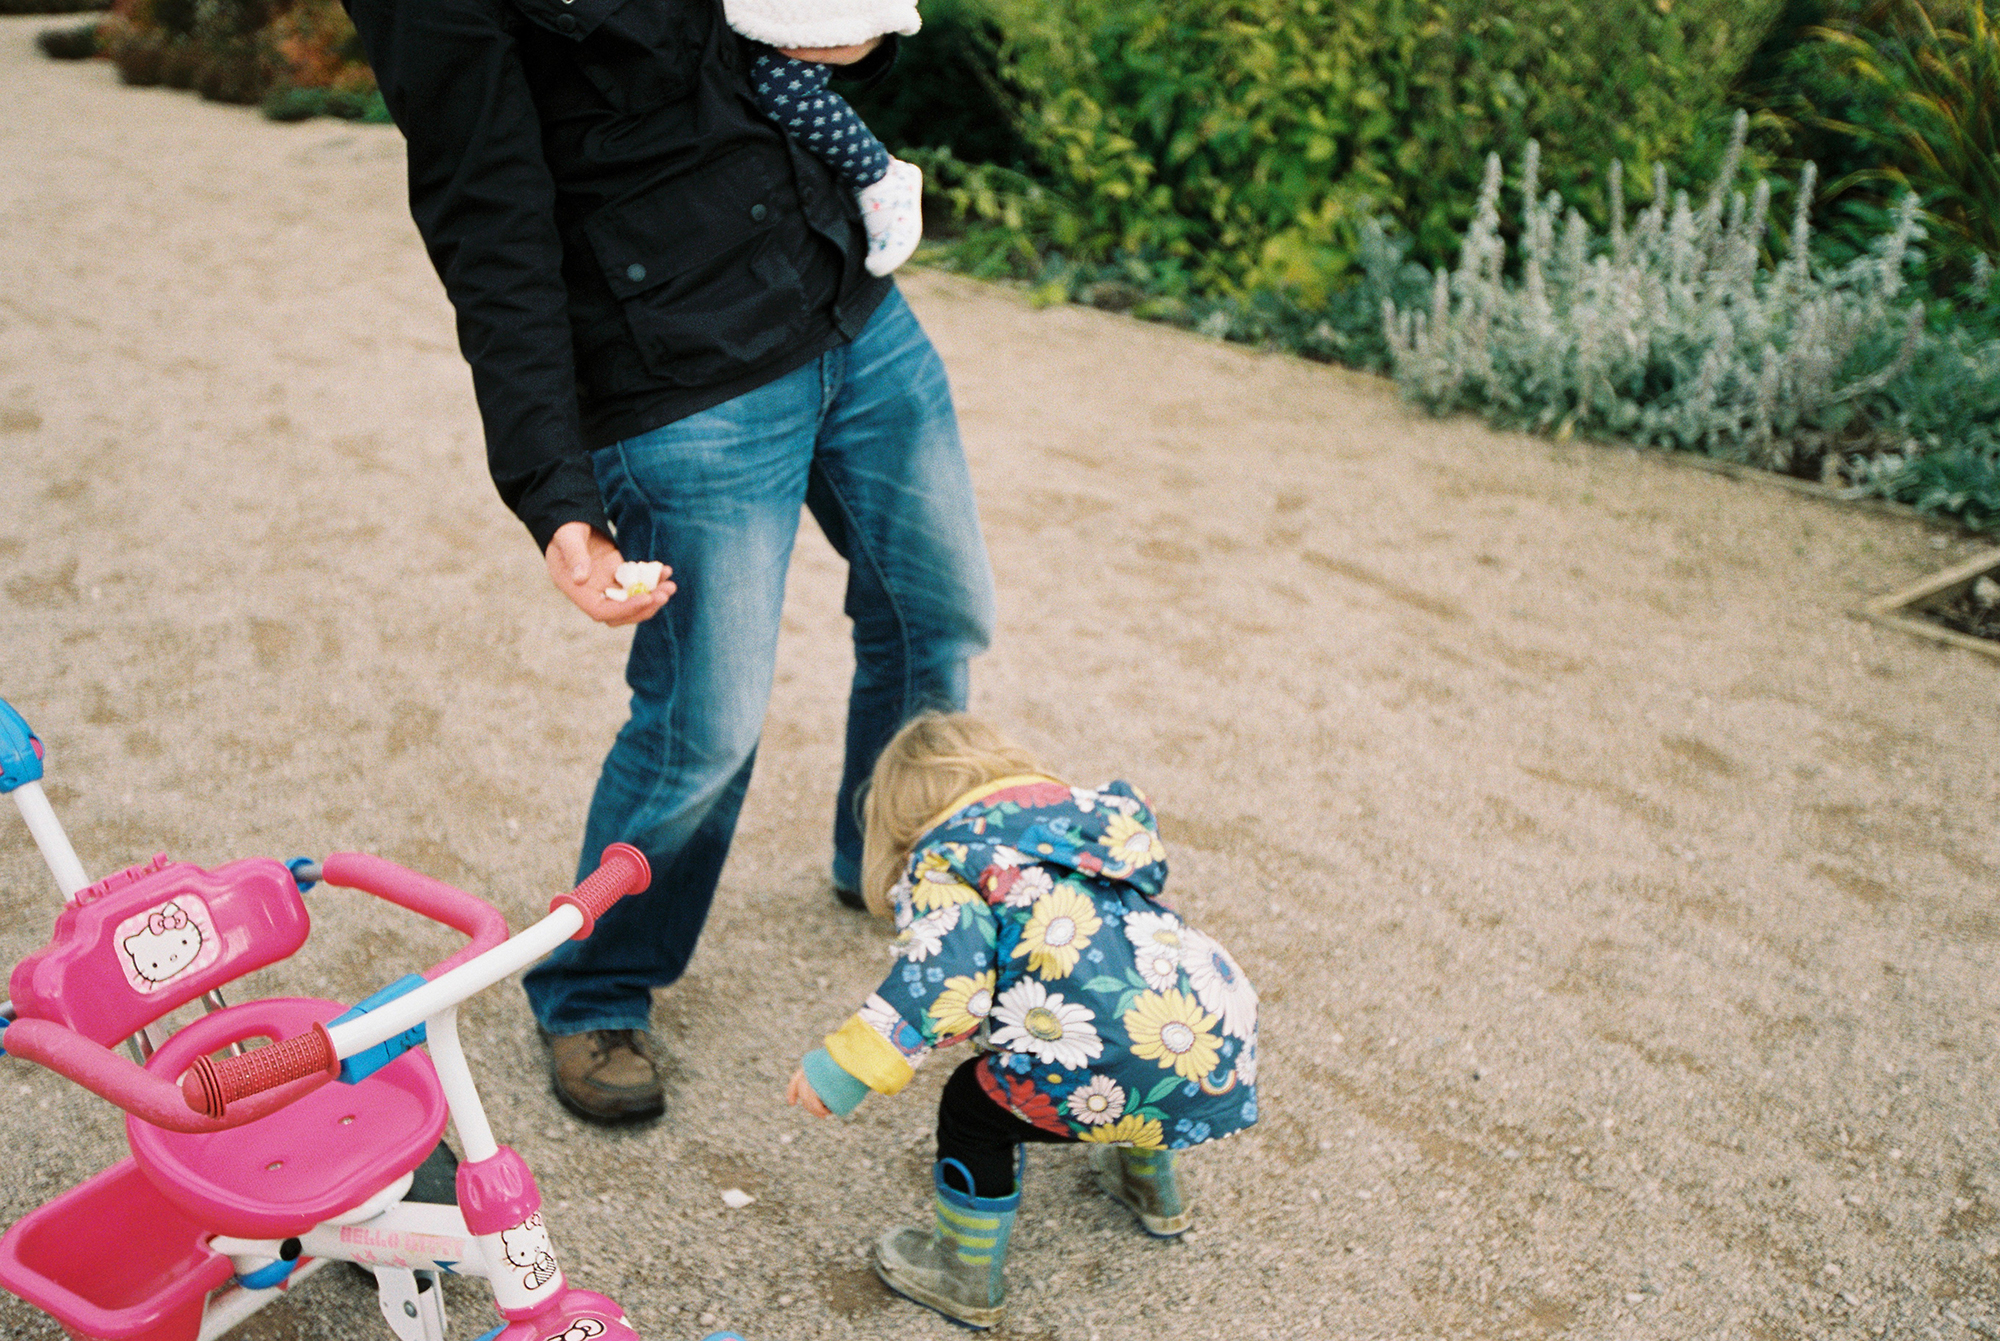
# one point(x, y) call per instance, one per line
point(638, 53)
point(704, 272)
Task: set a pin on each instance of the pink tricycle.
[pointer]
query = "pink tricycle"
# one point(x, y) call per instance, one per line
point(251, 1169)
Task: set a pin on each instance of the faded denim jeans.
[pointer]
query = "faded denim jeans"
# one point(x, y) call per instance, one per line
point(865, 438)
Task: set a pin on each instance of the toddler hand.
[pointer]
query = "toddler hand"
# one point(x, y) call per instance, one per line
point(800, 1093)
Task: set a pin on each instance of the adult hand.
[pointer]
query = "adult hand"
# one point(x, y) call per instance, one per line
point(582, 563)
point(801, 1094)
point(832, 55)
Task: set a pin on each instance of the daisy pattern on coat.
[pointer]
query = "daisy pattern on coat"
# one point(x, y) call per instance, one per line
point(1059, 929)
point(1128, 1130)
point(932, 882)
point(964, 1004)
point(1156, 948)
point(1027, 886)
point(1130, 1029)
point(1246, 1065)
point(924, 936)
point(1219, 984)
point(1099, 1102)
point(1038, 1022)
point(1129, 845)
point(1172, 1029)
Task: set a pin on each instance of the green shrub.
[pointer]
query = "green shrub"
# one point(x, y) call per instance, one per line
point(52, 7)
point(180, 62)
point(1246, 140)
point(291, 103)
point(140, 58)
point(1890, 96)
point(69, 44)
point(1673, 331)
point(945, 90)
point(298, 58)
point(1960, 480)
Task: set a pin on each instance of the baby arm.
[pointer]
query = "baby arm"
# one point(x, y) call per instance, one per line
point(937, 994)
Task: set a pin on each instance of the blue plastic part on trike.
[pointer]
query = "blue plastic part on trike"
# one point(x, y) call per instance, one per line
point(20, 750)
point(355, 1069)
point(295, 865)
point(265, 1277)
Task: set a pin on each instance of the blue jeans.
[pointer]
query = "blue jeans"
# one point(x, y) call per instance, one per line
point(865, 438)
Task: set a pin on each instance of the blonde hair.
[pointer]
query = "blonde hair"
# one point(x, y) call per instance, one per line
point(931, 762)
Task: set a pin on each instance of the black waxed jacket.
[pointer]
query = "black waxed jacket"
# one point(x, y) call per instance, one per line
point(625, 238)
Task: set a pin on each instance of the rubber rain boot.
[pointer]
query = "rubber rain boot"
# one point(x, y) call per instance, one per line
point(1147, 1183)
point(957, 1267)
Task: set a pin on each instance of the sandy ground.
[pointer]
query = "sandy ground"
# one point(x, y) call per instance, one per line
point(1625, 912)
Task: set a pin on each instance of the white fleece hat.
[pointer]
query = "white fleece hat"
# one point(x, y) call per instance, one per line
point(820, 23)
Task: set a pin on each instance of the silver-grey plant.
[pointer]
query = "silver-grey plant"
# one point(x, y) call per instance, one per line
point(1673, 331)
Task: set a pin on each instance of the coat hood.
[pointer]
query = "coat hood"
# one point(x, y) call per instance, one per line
point(1107, 833)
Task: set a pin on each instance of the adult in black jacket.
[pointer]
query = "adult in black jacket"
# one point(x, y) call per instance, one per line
point(674, 345)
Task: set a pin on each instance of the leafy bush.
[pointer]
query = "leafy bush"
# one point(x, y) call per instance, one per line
point(297, 57)
point(52, 6)
point(1891, 96)
point(945, 91)
point(140, 58)
point(69, 44)
point(316, 46)
point(292, 103)
point(1939, 132)
point(1671, 331)
point(1246, 140)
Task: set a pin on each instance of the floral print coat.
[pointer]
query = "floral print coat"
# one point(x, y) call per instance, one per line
point(1030, 916)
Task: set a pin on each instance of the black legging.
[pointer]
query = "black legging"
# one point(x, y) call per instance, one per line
point(981, 1135)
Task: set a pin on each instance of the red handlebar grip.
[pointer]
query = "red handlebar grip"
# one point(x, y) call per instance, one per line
point(211, 1086)
point(622, 870)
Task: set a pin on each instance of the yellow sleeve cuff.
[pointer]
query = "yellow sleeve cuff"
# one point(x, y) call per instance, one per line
point(869, 1057)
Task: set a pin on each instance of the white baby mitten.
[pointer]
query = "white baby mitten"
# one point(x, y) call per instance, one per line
point(892, 212)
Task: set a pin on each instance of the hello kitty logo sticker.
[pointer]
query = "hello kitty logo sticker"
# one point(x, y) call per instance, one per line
point(166, 942)
point(527, 1247)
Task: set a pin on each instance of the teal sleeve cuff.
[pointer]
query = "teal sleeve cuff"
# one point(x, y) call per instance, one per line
point(836, 1089)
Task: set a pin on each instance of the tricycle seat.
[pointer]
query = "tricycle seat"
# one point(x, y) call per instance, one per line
point(304, 1164)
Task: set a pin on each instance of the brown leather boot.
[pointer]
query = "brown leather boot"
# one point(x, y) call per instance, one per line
point(607, 1075)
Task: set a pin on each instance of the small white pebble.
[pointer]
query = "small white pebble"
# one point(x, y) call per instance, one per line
point(707, 1320)
point(736, 1198)
point(784, 1301)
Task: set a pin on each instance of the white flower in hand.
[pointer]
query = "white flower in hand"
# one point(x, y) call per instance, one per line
point(634, 579)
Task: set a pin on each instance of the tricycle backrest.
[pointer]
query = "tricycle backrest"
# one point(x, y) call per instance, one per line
point(134, 946)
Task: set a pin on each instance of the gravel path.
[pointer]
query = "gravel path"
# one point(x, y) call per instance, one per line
point(1625, 913)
